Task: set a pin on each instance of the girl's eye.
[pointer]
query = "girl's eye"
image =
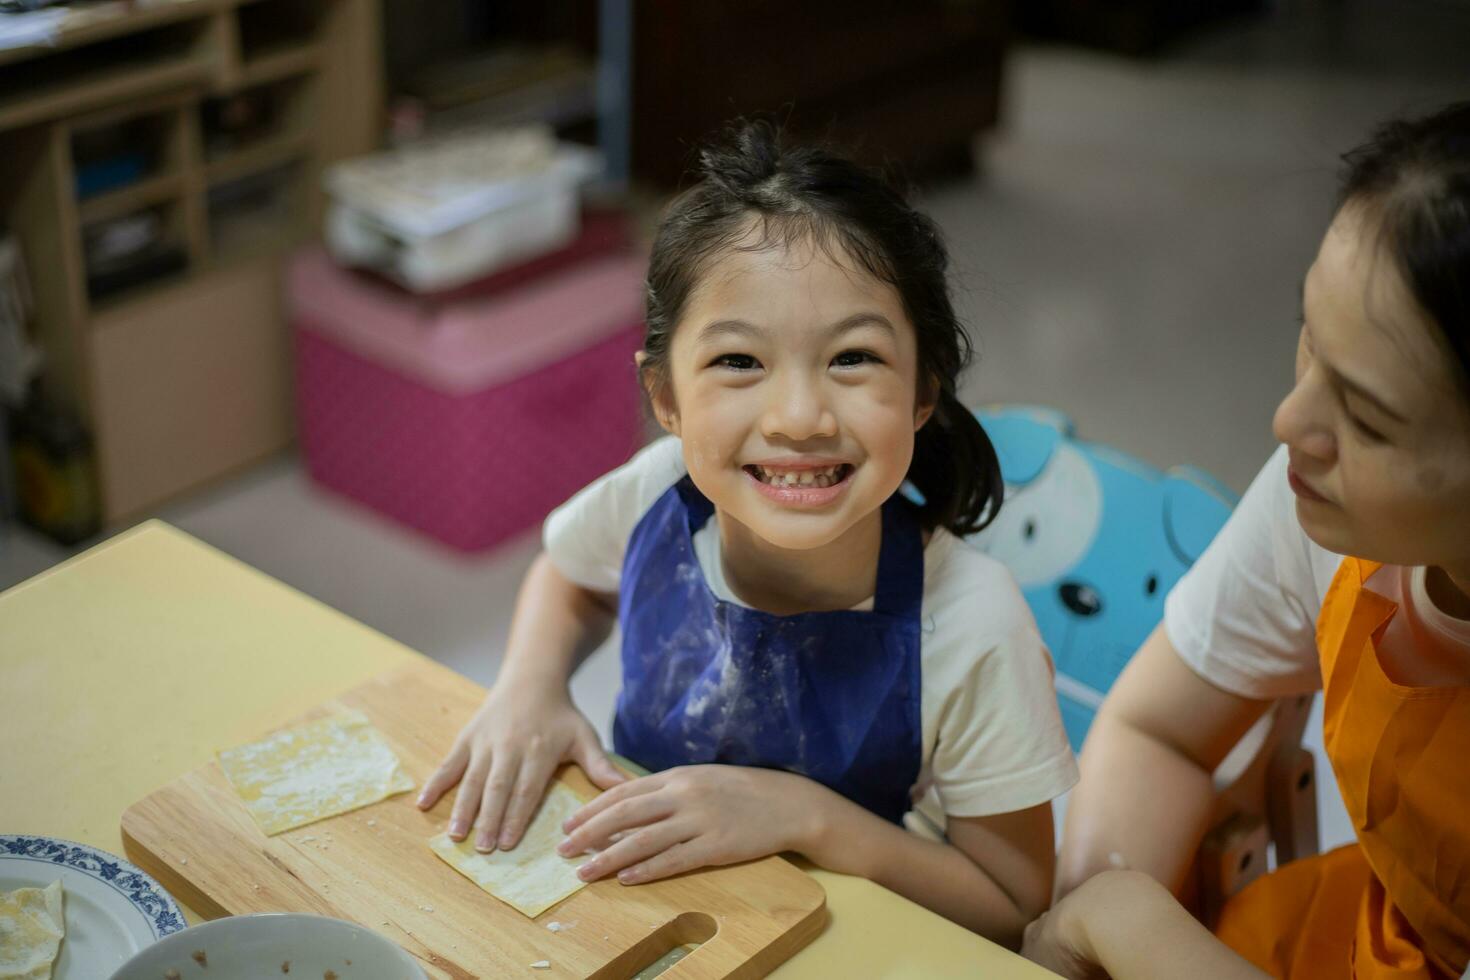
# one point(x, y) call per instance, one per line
point(854, 358)
point(736, 362)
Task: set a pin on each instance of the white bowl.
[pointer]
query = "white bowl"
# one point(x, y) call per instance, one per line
point(250, 947)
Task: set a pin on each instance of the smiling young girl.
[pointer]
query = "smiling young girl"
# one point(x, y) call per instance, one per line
point(1375, 465)
point(799, 640)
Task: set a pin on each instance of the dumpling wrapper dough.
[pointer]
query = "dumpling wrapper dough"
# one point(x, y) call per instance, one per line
point(314, 771)
point(31, 929)
point(532, 877)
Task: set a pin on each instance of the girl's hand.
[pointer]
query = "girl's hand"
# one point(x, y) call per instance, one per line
point(691, 817)
point(504, 758)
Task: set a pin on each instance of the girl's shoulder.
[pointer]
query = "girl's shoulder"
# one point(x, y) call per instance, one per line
point(587, 537)
point(966, 588)
point(632, 488)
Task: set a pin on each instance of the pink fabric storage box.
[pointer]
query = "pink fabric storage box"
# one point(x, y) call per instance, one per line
point(471, 417)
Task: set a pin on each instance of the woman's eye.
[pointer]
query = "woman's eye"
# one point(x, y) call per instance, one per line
point(854, 358)
point(1368, 432)
point(736, 362)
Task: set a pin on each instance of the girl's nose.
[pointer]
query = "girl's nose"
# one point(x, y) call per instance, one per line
point(797, 410)
point(1303, 420)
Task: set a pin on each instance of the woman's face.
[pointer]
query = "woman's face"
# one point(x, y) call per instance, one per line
point(1377, 426)
point(792, 382)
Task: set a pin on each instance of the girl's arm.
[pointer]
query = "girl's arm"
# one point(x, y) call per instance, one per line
point(1146, 790)
point(527, 724)
point(1124, 924)
point(993, 877)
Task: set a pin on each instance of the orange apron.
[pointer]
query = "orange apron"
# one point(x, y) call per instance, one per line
point(1397, 903)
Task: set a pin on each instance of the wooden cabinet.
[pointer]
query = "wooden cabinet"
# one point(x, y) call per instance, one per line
point(911, 84)
point(179, 367)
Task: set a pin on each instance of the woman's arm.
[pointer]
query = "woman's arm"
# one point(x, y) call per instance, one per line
point(1146, 790)
point(993, 877)
point(1123, 924)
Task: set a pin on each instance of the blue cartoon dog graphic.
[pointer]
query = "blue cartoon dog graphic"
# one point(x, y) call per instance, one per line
point(1096, 539)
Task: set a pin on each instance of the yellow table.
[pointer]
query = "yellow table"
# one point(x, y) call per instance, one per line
point(134, 662)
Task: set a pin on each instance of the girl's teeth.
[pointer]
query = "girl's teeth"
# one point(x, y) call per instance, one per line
point(805, 478)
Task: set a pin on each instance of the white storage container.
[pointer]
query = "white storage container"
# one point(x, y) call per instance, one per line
point(442, 213)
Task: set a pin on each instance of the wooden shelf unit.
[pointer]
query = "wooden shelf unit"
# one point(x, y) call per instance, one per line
point(183, 379)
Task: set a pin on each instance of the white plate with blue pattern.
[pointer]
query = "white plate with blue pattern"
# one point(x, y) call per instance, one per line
point(112, 908)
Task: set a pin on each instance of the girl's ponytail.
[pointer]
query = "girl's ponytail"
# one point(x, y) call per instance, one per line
point(955, 469)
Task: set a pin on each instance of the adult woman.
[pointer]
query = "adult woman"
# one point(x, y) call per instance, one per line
point(1375, 466)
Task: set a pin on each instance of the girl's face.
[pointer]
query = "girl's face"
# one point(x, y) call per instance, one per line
point(1377, 426)
point(793, 385)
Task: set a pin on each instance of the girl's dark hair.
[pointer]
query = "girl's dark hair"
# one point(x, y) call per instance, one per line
point(810, 193)
point(1415, 175)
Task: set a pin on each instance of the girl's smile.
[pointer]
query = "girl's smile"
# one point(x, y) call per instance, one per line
point(800, 481)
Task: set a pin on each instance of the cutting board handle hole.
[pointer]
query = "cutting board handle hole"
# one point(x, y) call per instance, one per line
point(667, 944)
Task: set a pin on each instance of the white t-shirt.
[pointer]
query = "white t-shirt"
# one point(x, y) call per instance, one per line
point(1245, 616)
point(992, 736)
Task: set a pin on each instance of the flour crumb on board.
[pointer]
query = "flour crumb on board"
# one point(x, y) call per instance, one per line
point(426, 908)
point(555, 926)
point(541, 965)
point(183, 860)
point(308, 838)
point(372, 823)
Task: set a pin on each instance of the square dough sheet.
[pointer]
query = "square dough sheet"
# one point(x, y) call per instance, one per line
point(533, 877)
point(314, 771)
point(31, 930)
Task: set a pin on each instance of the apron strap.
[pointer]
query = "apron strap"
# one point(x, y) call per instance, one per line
point(696, 505)
point(900, 587)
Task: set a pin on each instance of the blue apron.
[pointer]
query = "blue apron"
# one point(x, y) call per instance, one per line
point(833, 696)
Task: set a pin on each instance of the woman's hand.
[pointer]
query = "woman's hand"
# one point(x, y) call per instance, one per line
point(504, 758)
point(691, 817)
point(1058, 941)
point(1126, 924)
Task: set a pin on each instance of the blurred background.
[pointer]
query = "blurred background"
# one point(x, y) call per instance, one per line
point(349, 288)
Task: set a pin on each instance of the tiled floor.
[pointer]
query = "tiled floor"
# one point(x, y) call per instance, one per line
point(1132, 255)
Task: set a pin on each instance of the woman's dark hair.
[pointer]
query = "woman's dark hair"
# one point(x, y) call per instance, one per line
point(1415, 175)
point(790, 194)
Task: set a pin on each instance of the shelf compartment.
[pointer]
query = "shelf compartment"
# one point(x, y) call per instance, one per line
point(284, 60)
point(114, 152)
point(136, 197)
point(268, 27)
point(104, 73)
point(234, 125)
point(262, 212)
point(256, 158)
point(132, 252)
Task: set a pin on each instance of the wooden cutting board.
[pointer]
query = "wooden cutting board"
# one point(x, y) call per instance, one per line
point(372, 866)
